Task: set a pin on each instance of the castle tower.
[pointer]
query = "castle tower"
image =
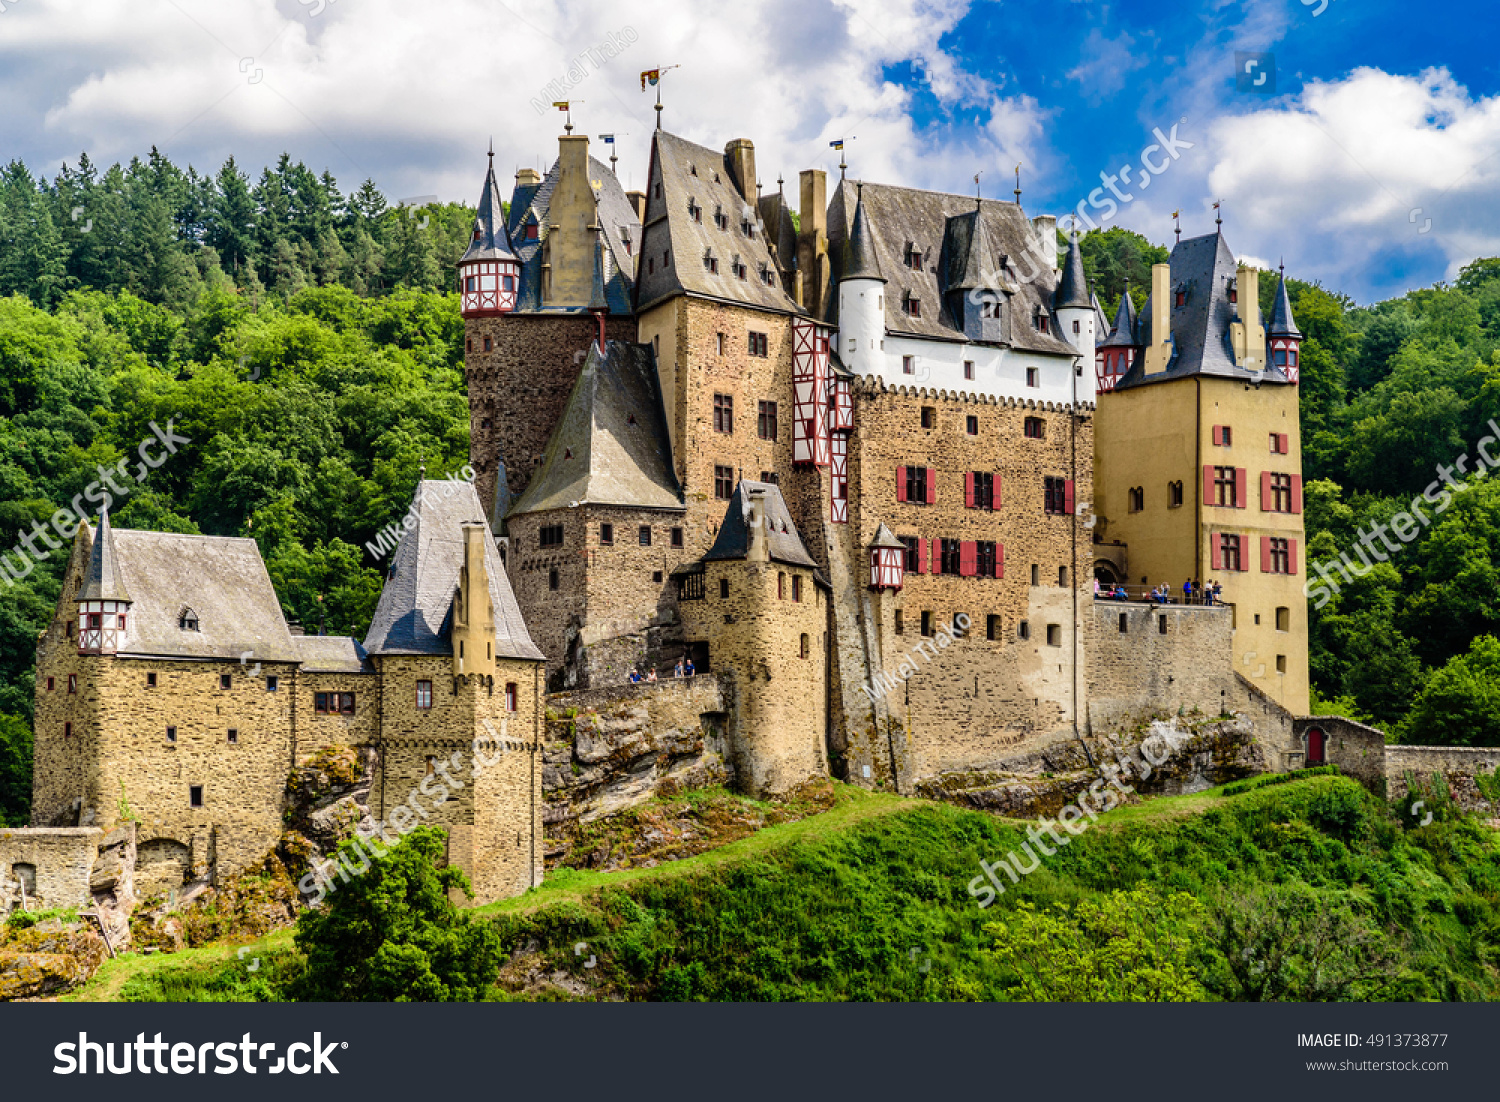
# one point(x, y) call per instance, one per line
point(1074, 307)
point(103, 602)
point(473, 615)
point(861, 299)
point(489, 271)
point(1119, 349)
point(1284, 340)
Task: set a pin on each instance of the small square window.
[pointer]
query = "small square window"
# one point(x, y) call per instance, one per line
point(644, 535)
point(606, 534)
point(656, 576)
point(1054, 635)
point(234, 736)
point(1281, 663)
point(929, 417)
point(171, 734)
point(226, 680)
point(195, 795)
point(676, 537)
point(972, 425)
point(272, 683)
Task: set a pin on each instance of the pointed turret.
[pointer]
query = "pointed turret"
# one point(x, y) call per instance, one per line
point(860, 261)
point(103, 602)
point(598, 302)
point(1282, 322)
point(1118, 351)
point(1074, 306)
point(861, 296)
point(102, 580)
point(489, 270)
point(1073, 289)
point(1283, 339)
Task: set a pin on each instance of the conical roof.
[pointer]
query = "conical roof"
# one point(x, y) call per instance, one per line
point(1282, 322)
point(1101, 323)
point(860, 261)
point(102, 582)
point(884, 537)
point(1123, 333)
point(1073, 291)
point(490, 240)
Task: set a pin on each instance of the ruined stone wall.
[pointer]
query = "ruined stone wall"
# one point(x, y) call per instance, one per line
point(53, 862)
point(1457, 764)
point(1358, 750)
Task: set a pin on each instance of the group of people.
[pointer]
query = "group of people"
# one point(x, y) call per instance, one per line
point(684, 668)
point(1193, 592)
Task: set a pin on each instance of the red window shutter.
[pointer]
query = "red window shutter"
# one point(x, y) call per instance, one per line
point(900, 483)
point(1291, 556)
point(1265, 554)
point(1296, 493)
point(1266, 497)
point(1282, 443)
point(968, 489)
point(921, 555)
point(1068, 497)
point(931, 486)
point(1216, 551)
point(999, 559)
point(1240, 481)
point(935, 556)
point(1208, 484)
point(1218, 435)
point(997, 489)
point(968, 559)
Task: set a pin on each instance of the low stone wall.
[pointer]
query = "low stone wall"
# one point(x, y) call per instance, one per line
point(610, 749)
point(1359, 751)
point(54, 862)
point(1457, 764)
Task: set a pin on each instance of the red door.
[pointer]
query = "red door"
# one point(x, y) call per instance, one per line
point(1315, 743)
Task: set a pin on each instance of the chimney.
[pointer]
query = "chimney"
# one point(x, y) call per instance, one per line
point(756, 503)
point(571, 215)
point(638, 204)
point(528, 177)
point(1246, 334)
point(1045, 227)
point(812, 241)
point(739, 156)
point(1159, 353)
point(473, 615)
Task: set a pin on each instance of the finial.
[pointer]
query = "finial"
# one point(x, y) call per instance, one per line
point(842, 164)
point(976, 190)
point(1218, 213)
point(492, 149)
point(779, 182)
point(1281, 267)
point(1177, 218)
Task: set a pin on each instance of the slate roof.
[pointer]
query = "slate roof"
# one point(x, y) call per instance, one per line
point(332, 654)
point(1203, 268)
point(1073, 288)
point(610, 446)
point(860, 260)
point(1101, 323)
point(1123, 335)
point(884, 537)
point(615, 212)
point(221, 579)
point(783, 541)
point(101, 582)
point(414, 615)
point(1282, 323)
point(490, 240)
point(776, 216)
point(900, 215)
point(686, 172)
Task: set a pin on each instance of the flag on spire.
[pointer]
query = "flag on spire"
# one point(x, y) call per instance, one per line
point(650, 76)
point(837, 143)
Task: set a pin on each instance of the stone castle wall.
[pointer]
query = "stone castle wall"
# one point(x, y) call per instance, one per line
point(53, 862)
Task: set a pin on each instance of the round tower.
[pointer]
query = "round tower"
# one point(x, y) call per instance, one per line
point(103, 603)
point(1284, 342)
point(1074, 307)
point(1119, 349)
point(861, 298)
point(489, 271)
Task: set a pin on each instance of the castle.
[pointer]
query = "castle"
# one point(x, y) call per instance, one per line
point(861, 466)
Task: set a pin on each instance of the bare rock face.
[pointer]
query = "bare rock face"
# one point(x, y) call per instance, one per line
point(112, 884)
point(48, 958)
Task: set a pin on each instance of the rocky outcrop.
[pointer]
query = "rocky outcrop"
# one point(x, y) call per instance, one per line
point(47, 958)
point(112, 885)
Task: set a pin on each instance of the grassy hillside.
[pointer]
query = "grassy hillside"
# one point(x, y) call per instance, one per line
point(1307, 890)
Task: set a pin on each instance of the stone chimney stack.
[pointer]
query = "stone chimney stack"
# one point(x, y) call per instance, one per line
point(812, 242)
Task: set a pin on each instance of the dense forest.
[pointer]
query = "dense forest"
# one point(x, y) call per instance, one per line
point(305, 342)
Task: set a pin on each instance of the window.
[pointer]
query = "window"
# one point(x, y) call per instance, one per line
point(695, 212)
point(676, 537)
point(949, 557)
point(806, 645)
point(1174, 494)
point(968, 369)
point(711, 262)
point(724, 413)
point(644, 535)
point(70, 629)
point(971, 425)
point(1281, 663)
point(980, 490)
point(1234, 293)
point(1161, 625)
point(334, 703)
point(606, 534)
point(1054, 635)
point(911, 561)
point(487, 344)
point(1279, 555)
point(796, 587)
point(741, 269)
point(1077, 327)
point(913, 257)
point(72, 682)
point(666, 258)
point(765, 276)
point(1036, 574)
point(272, 683)
point(1033, 376)
point(1229, 552)
point(533, 231)
point(50, 683)
point(1181, 298)
point(1221, 436)
point(908, 365)
point(234, 736)
point(900, 625)
point(992, 628)
point(553, 580)
point(1225, 487)
point(759, 345)
point(226, 681)
point(1280, 486)
point(510, 696)
point(1023, 630)
point(723, 483)
point(987, 559)
point(1124, 624)
point(656, 576)
point(916, 485)
point(770, 478)
point(913, 306)
point(67, 730)
point(424, 695)
point(781, 586)
point(187, 620)
point(1278, 443)
point(550, 535)
point(720, 218)
point(1057, 492)
point(171, 734)
point(719, 343)
point(747, 229)
point(1062, 576)
point(929, 417)
point(765, 424)
point(723, 589)
point(1035, 428)
point(926, 624)
point(195, 795)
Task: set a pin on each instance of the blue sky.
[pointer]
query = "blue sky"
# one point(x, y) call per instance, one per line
point(1372, 168)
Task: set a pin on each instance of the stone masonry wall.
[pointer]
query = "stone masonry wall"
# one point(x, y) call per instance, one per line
point(1358, 750)
point(55, 863)
point(1457, 764)
point(1142, 669)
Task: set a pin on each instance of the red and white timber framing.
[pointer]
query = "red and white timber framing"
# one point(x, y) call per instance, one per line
point(810, 443)
point(488, 287)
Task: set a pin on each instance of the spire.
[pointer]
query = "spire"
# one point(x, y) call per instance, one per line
point(490, 241)
point(1073, 290)
point(1018, 185)
point(860, 260)
point(1282, 323)
point(1123, 333)
point(101, 581)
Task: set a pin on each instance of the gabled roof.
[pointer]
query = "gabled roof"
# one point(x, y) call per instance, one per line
point(1073, 288)
point(1202, 269)
point(969, 258)
point(101, 582)
point(1123, 333)
point(415, 612)
point(615, 213)
point(1282, 323)
point(332, 654)
point(610, 446)
point(221, 580)
point(783, 541)
point(908, 216)
point(490, 241)
point(781, 232)
point(685, 172)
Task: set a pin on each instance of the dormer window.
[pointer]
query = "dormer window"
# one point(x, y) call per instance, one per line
point(720, 218)
point(912, 305)
point(990, 308)
point(711, 262)
point(1180, 298)
point(748, 229)
point(187, 620)
point(692, 169)
point(1234, 292)
point(913, 257)
point(533, 231)
point(765, 274)
point(695, 212)
point(741, 269)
